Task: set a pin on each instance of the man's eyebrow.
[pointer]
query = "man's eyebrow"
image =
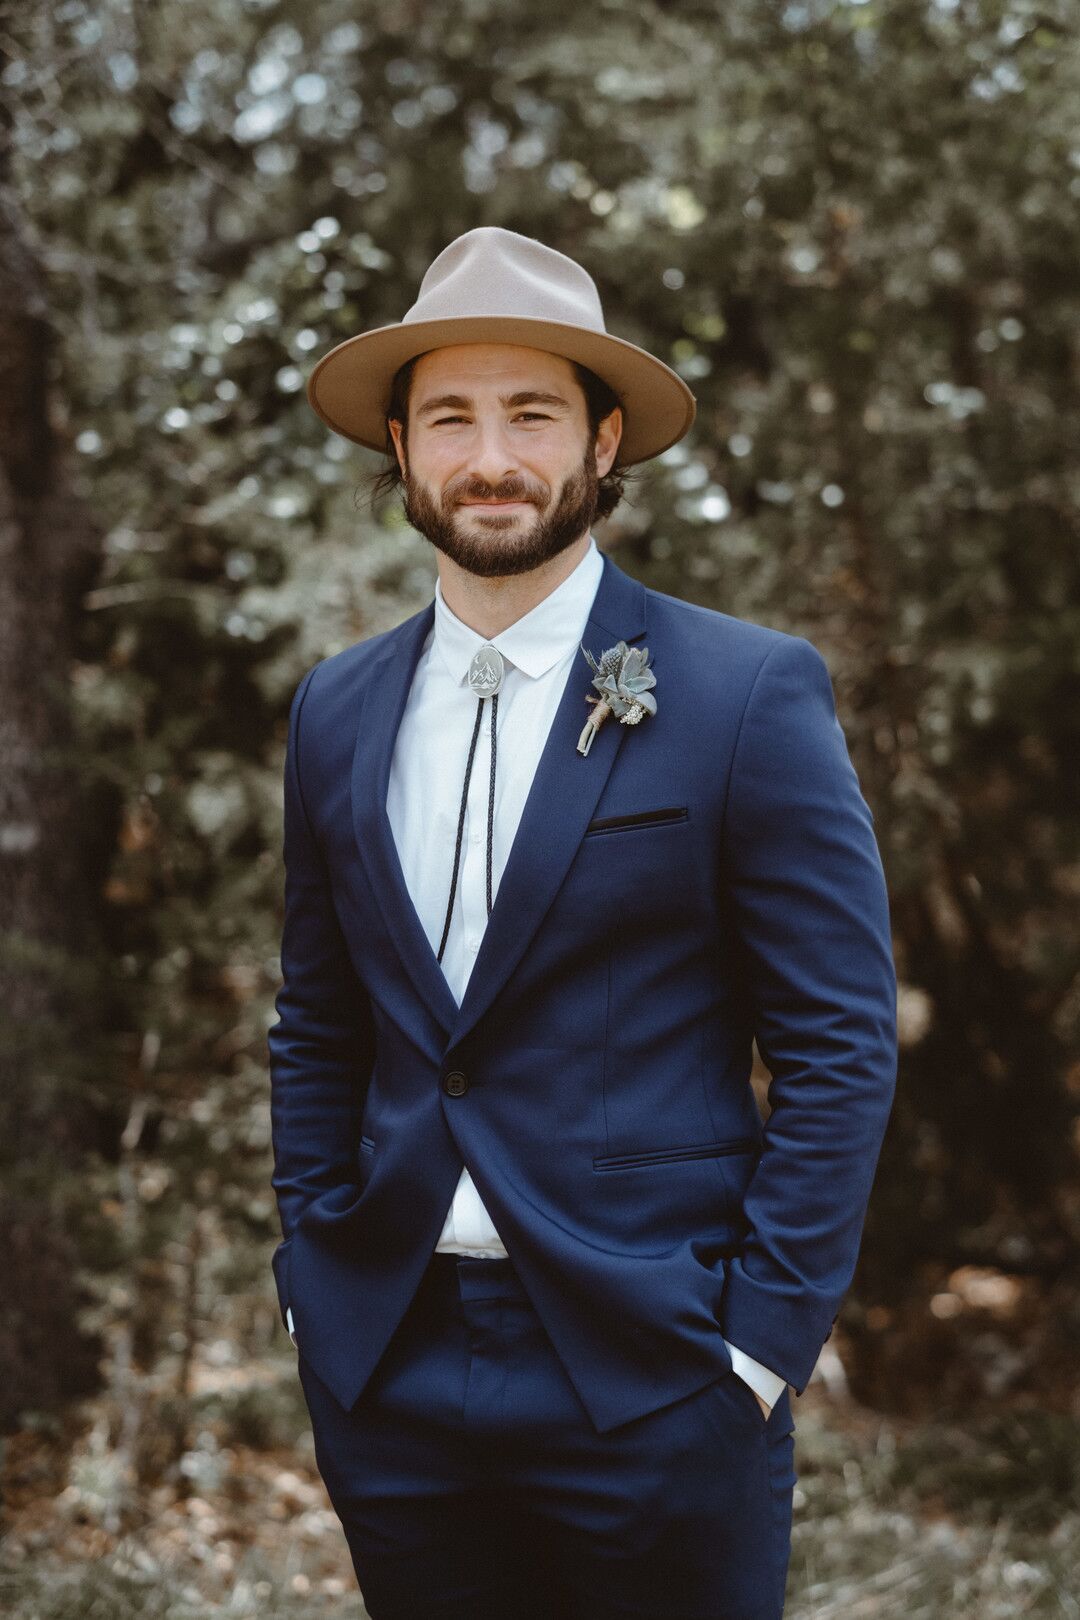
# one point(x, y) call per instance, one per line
point(527, 396)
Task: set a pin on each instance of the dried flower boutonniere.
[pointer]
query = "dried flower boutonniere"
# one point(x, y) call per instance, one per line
point(622, 679)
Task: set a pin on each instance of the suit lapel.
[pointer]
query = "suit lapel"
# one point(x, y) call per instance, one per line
point(564, 793)
point(386, 691)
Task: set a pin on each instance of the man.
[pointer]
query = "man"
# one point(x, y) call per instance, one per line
point(548, 1275)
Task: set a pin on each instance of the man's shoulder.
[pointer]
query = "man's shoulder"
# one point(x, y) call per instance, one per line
point(709, 632)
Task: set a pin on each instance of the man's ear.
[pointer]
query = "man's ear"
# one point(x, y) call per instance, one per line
point(397, 433)
point(608, 436)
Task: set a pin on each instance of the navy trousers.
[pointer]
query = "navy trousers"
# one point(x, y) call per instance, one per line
point(471, 1484)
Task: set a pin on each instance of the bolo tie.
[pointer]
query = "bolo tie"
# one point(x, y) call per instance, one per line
point(485, 678)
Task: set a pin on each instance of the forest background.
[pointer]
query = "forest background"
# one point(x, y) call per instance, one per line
point(853, 228)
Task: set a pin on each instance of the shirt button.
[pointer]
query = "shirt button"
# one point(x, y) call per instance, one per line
point(455, 1083)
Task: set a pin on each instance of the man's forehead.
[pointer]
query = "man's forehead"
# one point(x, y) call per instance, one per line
point(464, 365)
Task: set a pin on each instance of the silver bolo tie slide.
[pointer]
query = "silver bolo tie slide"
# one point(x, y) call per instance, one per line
point(485, 678)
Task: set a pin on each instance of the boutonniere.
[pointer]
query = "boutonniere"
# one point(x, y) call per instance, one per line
point(622, 678)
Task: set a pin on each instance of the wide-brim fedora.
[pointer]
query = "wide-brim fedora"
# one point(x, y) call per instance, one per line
point(495, 286)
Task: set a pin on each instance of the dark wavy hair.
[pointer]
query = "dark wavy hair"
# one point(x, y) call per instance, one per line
point(600, 401)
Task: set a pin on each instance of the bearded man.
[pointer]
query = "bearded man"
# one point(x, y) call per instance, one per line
point(549, 1275)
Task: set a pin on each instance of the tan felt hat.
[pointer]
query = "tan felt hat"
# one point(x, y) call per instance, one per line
point(494, 286)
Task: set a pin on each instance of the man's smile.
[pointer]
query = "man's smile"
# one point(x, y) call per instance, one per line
point(496, 505)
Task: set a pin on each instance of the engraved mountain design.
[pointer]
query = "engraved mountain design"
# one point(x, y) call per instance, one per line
point(486, 670)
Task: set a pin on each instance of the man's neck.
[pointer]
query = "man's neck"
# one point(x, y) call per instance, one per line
point(488, 605)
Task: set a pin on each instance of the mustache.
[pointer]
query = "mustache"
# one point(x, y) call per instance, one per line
point(510, 489)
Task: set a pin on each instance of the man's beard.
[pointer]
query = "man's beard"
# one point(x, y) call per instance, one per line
point(496, 547)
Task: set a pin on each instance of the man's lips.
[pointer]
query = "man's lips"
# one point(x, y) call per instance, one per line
point(495, 504)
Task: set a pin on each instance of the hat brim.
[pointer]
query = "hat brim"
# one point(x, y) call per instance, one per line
point(350, 386)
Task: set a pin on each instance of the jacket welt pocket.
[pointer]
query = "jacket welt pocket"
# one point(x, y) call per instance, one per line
point(638, 818)
point(703, 1150)
point(367, 1145)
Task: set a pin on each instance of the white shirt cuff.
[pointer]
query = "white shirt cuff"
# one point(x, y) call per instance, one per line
point(289, 1324)
point(762, 1380)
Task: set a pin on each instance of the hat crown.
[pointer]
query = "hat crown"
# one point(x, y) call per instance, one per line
point(492, 271)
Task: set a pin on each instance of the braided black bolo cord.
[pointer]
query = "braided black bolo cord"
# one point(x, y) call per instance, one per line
point(460, 825)
point(491, 796)
point(461, 814)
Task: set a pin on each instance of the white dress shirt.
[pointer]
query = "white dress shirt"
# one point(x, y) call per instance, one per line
point(424, 799)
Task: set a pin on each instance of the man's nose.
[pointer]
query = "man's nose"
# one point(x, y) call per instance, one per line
point(493, 457)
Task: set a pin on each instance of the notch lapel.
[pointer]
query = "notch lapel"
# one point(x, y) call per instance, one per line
point(385, 694)
point(558, 808)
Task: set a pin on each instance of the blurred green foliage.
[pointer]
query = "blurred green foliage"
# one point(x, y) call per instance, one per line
point(852, 227)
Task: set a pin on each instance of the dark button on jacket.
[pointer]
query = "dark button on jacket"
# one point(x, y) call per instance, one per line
point(455, 1084)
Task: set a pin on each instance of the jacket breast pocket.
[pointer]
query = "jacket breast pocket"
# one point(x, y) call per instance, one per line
point(633, 819)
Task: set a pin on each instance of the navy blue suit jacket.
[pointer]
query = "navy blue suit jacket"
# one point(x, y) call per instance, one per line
point(704, 877)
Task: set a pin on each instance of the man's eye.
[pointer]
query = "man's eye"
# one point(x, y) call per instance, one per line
point(535, 416)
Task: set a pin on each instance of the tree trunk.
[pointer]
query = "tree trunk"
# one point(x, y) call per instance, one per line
point(49, 888)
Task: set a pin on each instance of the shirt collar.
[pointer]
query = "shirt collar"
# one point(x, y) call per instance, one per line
point(536, 641)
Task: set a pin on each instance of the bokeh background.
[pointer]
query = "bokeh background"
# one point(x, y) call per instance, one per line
point(854, 229)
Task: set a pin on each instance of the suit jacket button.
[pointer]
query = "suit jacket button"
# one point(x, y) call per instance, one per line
point(455, 1083)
